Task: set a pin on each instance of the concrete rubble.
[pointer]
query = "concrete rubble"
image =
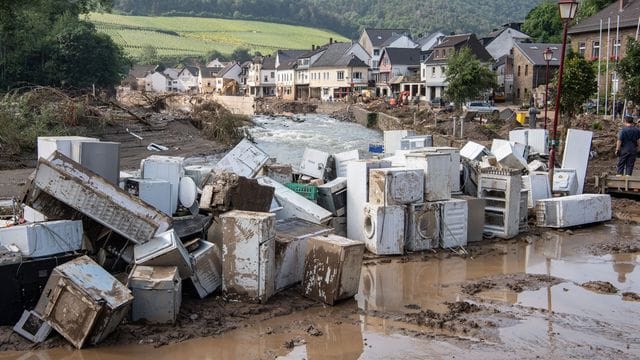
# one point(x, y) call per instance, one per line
point(248, 227)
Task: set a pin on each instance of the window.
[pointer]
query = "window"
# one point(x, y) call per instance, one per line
point(325, 91)
point(582, 48)
point(376, 52)
point(442, 70)
point(437, 53)
point(266, 78)
point(518, 72)
point(595, 50)
point(273, 74)
point(424, 73)
point(357, 75)
point(526, 70)
point(433, 71)
point(340, 75)
point(615, 52)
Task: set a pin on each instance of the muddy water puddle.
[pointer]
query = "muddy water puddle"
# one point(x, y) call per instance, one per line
point(526, 302)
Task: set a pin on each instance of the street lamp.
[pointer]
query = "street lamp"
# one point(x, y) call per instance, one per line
point(567, 10)
point(548, 55)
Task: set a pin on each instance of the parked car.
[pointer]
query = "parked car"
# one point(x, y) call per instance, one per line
point(442, 104)
point(482, 108)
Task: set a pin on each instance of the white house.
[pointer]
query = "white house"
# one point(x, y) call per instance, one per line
point(228, 79)
point(338, 72)
point(503, 41)
point(286, 61)
point(156, 82)
point(188, 79)
point(261, 78)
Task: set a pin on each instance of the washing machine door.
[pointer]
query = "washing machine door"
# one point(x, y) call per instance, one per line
point(428, 225)
point(369, 223)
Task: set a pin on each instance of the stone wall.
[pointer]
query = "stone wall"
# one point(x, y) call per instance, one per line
point(243, 105)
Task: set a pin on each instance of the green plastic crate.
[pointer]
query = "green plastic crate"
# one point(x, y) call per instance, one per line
point(308, 191)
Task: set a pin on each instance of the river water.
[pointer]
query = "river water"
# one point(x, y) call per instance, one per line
point(286, 140)
point(556, 321)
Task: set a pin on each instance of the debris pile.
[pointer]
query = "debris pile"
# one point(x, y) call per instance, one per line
point(109, 246)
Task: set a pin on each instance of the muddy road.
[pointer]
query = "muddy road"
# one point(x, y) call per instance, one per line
point(533, 297)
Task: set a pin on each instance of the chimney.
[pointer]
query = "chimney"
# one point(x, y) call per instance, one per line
point(621, 5)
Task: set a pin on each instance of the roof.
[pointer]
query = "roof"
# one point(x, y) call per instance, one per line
point(379, 36)
point(140, 71)
point(339, 54)
point(403, 56)
point(533, 53)
point(288, 58)
point(269, 63)
point(227, 68)
point(453, 40)
point(428, 38)
point(458, 42)
point(209, 72)
point(628, 17)
point(191, 69)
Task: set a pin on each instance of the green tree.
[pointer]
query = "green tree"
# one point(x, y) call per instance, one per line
point(543, 23)
point(629, 70)
point(589, 8)
point(81, 57)
point(240, 55)
point(467, 77)
point(215, 54)
point(578, 83)
point(149, 55)
point(36, 37)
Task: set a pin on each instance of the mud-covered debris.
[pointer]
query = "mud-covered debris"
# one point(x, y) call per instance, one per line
point(630, 296)
point(313, 331)
point(514, 282)
point(296, 341)
point(603, 287)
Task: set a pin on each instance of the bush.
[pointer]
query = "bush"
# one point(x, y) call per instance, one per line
point(26, 117)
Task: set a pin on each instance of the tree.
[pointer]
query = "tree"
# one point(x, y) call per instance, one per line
point(543, 23)
point(578, 83)
point(240, 55)
point(589, 8)
point(149, 55)
point(629, 70)
point(215, 54)
point(44, 42)
point(79, 56)
point(467, 77)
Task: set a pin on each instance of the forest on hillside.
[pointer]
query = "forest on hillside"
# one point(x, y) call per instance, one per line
point(347, 17)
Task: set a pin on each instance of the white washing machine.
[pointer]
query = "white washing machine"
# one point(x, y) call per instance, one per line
point(384, 229)
point(454, 215)
point(422, 229)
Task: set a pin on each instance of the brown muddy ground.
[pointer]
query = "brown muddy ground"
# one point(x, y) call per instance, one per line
point(522, 298)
